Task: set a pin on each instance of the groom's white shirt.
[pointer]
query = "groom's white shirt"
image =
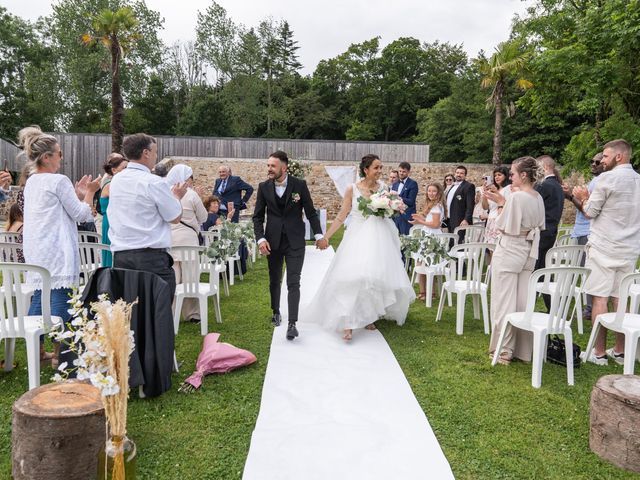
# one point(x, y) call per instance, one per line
point(280, 188)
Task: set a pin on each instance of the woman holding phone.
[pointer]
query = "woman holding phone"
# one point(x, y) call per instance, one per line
point(498, 182)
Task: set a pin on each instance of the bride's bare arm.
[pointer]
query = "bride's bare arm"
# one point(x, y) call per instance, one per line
point(342, 214)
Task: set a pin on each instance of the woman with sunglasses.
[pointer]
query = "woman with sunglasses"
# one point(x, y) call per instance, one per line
point(448, 183)
point(52, 207)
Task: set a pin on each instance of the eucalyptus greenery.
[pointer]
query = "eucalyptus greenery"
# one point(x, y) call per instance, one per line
point(429, 247)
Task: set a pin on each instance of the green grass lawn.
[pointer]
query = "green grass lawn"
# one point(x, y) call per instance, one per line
point(490, 422)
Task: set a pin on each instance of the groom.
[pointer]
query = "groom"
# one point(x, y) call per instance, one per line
point(282, 198)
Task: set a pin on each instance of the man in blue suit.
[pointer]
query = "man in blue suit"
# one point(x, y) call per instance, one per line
point(408, 191)
point(229, 188)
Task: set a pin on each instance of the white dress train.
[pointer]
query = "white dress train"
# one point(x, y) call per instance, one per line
point(366, 280)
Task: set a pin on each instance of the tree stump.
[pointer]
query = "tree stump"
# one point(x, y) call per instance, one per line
point(58, 430)
point(615, 420)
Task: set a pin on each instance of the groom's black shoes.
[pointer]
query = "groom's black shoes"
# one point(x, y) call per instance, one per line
point(276, 319)
point(292, 331)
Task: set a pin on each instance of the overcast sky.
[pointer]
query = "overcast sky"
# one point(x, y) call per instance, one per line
point(326, 29)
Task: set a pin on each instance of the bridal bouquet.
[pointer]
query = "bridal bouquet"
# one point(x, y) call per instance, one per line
point(381, 204)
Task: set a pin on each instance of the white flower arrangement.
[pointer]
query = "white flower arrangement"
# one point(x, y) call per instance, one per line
point(99, 340)
point(297, 168)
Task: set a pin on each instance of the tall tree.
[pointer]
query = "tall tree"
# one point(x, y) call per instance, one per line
point(28, 78)
point(217, 40)
point(118, 32)
point(288, 49)
point(86, 72)
point(503, 69)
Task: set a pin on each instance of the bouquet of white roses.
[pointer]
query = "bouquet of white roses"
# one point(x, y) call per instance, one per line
point(381, 204)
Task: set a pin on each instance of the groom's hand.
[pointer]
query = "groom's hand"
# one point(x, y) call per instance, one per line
point(265, 248)
point(322, 243)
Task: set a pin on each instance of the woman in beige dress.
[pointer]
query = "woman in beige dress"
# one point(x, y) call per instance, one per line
point(519, 221)
point(186, 232)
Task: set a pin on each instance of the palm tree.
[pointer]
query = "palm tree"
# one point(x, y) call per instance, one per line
point(117, 31)
point(507, 64)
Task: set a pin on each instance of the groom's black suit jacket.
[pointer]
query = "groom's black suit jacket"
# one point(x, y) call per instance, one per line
point(284, 214)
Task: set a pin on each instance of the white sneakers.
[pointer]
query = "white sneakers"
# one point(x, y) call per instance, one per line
point(593, 359)
point(617, 357)
point(603, 360)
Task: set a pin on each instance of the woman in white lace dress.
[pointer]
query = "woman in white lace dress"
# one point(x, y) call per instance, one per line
point(366, 279)
point(52, 207)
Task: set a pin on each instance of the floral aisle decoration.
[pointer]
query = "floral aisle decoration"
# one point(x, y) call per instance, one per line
point(231, 236)
point(429, 248)
point(103, 341)
point(381, 204)
point(298, 169)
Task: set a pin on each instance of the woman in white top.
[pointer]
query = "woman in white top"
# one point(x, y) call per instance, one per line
point(187, 231)
point(430, 219)
point(52, 207)
point(520, 219)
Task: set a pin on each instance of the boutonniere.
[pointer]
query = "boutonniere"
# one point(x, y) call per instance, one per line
point(295, 197)
point(459, 197)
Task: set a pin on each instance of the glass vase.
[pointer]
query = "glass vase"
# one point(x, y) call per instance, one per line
point(119, 452)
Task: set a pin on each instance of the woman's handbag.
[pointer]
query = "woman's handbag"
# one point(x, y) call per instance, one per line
point(556, 352)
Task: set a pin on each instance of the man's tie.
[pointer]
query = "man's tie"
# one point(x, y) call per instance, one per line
point(223, 185)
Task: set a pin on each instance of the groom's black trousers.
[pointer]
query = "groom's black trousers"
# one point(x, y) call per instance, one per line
point(294, 258)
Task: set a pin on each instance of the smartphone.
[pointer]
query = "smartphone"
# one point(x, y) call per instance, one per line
point(229, 206)
point(5, 165)
point(488, 180)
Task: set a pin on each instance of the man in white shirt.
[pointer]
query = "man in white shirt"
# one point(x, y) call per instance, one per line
point(141, 207)
point(614, 239)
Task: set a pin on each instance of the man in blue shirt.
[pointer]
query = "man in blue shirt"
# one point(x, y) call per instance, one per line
point(582, 225)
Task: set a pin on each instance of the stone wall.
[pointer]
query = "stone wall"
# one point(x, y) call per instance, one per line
point(322, 189)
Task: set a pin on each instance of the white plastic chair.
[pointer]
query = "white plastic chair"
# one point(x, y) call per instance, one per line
point(432, 271)
point(566, 256)
point(14, 321)
point(190, 259)
point(9, 252)
point(567, 279)
point(563, 240)
point(621, 322)
point(473, 233)
point(466, 279)
point(10, 237)
point(89, 237)
point(90, 259)
point(564, 230)
point(210, 237)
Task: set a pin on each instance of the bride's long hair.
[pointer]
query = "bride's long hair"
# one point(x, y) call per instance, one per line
point(439, 200)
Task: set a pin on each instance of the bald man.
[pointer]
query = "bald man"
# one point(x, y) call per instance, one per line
point(229, 188)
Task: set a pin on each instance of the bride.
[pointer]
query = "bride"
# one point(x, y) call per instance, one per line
point(366, 279)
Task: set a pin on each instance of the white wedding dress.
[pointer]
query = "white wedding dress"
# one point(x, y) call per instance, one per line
point(366, 279)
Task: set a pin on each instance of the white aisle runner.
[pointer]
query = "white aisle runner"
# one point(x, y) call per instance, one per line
point(333, 411)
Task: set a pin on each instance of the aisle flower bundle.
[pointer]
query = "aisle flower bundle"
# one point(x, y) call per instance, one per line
point(429, 248)
point(103, 342)
point(231, 235)
point(298, 169)
point(381, 204)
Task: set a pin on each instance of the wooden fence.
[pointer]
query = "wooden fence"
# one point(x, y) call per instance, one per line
point(85, 153)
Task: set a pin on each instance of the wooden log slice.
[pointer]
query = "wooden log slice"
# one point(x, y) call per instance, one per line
point(615, 420)
point(58, 430)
